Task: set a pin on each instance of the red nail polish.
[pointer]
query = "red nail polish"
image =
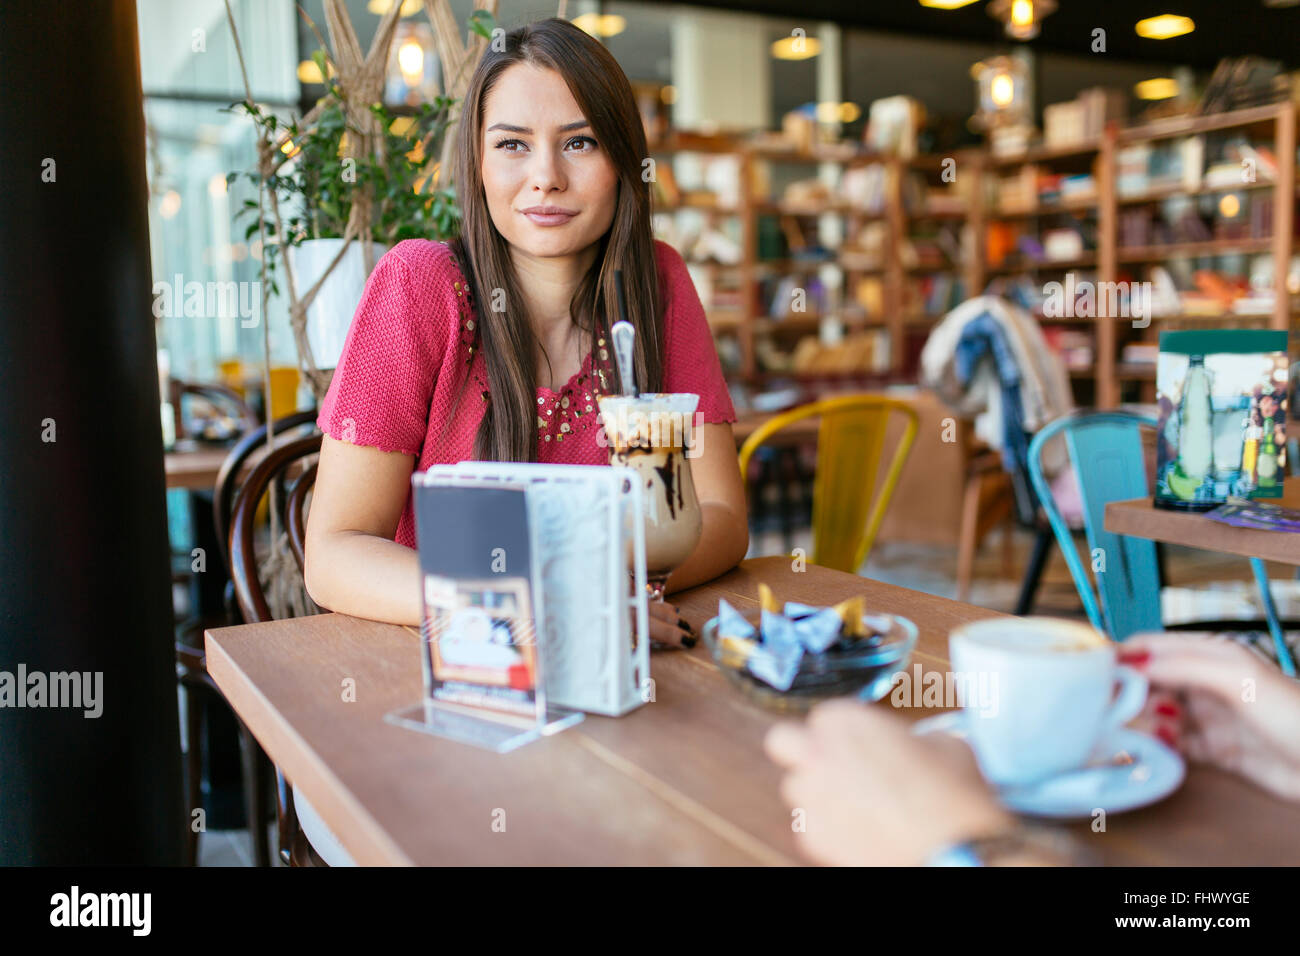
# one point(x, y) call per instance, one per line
point(1168, 709)
point(1134, 658)
point(1167, 735)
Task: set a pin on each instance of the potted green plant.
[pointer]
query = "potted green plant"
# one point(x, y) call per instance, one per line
point(317, 186)
point(353, 169)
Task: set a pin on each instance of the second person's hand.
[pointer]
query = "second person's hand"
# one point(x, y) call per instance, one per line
point(1221, 704)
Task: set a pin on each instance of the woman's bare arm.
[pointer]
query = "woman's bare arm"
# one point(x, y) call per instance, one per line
point(718, 485)
point(352, 564)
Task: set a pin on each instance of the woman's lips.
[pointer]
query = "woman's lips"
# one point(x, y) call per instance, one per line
point(550, 219)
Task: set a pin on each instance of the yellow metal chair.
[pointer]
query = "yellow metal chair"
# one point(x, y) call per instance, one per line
point(284, 391)
point(850, 445)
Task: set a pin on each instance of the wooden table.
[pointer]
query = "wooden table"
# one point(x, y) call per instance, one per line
point(1142, 519)
point(682, 780)
point(195, 470)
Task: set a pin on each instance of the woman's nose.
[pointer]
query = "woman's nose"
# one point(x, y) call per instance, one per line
point(545, 170)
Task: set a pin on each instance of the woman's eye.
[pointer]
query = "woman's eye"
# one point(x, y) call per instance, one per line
point(507, 144)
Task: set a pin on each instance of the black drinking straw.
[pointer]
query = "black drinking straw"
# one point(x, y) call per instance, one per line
point(622, 294)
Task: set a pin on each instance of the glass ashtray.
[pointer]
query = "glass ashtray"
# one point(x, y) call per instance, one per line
point(864, 670)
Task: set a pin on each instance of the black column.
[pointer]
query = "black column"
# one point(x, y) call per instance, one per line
point(84, 578)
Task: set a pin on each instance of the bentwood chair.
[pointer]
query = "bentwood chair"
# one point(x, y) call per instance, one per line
point(200, 690)
point(271, 475)
point(849, 495)
point(1107, 455)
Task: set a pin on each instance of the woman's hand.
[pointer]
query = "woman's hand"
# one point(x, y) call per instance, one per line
point(668, 627)
point(875, 795)
point(1222, 704)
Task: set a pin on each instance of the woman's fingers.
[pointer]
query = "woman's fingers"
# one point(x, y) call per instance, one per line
point(787, 743)
point(668, 627)
point(663, 611)
point(670, 632)
point(1163, 716)
point(1191, 661)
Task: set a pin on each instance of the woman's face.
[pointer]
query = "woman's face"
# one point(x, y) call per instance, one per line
point(538, 151)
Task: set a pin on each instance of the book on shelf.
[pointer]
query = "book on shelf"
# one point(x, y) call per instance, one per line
point(1140, 353)
point(866, 187)
point(937, 294)
point(1261, 304)
point(1192, 153)
point(1240, 82)
point(1019, 191)
point(1220, 175)
point(1083, 119)
point(893, 124)
point(1076, 188)
point(666, 189)
point(1132, 177)
point(1072, 345)
point(869, 293)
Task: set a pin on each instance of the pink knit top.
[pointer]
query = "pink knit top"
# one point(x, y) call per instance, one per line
point(412, 344)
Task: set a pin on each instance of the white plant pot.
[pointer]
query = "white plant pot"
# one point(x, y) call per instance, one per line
point(330, 315)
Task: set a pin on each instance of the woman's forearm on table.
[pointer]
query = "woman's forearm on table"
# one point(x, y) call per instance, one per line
point(723, 544)
point(366, 576)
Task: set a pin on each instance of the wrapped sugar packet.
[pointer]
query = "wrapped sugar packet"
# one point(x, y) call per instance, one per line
point(731, 624)
point(777, 665)
point(818, 631)
point(778, 631)
point(877, 623)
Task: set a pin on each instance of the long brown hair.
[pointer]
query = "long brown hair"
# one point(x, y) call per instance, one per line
point(508, 431)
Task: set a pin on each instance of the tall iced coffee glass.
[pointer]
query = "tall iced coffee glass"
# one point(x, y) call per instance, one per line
point(652, 433)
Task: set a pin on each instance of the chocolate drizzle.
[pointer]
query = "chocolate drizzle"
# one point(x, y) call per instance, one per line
point(668, 474)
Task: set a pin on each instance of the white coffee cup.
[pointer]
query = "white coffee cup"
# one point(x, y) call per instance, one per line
point(1051, 694)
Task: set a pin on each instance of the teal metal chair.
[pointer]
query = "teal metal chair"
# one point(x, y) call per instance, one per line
point(1106, 453)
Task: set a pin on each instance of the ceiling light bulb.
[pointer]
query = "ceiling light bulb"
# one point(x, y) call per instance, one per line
point(1157, 88)
point(1003, 89)
point(1164, 27)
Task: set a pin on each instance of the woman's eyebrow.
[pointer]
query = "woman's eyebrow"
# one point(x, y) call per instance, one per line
point(580, 124)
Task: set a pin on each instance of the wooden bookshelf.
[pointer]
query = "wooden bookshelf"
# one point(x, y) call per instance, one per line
point(1108, 374)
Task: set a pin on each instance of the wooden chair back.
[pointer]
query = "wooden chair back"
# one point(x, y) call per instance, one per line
point(219, 396)
point(270, 476)
point(223, 497)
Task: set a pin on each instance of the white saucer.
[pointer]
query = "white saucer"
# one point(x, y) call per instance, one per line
point(1155, 772)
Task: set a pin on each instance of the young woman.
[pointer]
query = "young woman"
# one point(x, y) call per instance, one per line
point(495, 345)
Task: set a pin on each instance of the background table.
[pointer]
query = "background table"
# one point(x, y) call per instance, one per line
point(196, 469)
point(1141, 518)
point(682, 780)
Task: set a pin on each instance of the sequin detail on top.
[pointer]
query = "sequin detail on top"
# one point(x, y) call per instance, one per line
point(571, 412)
